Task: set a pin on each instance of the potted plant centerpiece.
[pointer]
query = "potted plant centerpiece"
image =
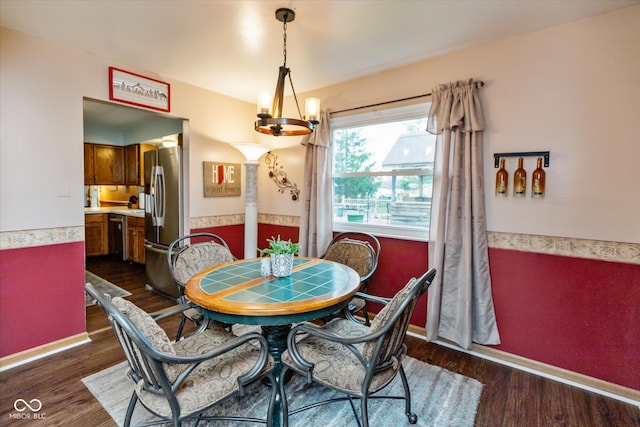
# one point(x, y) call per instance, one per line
point(281, 253)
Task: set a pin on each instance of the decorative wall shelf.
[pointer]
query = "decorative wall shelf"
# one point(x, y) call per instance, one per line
point(544, 154)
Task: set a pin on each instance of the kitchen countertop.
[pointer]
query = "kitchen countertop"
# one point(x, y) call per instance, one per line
point(117, 210)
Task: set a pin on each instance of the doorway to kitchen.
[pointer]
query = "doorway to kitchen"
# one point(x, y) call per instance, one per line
point(116, 138)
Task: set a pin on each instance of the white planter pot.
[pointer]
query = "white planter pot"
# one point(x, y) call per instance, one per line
point(281, 264)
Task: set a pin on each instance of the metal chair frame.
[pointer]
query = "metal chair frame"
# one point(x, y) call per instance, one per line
point(147, 364)
point(388, 349)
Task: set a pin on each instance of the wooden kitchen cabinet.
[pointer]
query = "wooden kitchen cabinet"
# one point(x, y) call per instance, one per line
point(135, 239)
point(89, 170)
point(96, 234)
point(134, 163)
point(103, 164)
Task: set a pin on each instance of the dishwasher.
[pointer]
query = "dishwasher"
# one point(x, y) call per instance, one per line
point(117, 239)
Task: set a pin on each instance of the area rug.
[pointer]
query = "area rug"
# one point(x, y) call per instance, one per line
point(440, 398)
point(103, 286)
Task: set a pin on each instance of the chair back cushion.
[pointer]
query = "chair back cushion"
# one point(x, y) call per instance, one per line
point(197, 257)
point(356, 254)
point(145, 323)
point(395, 335)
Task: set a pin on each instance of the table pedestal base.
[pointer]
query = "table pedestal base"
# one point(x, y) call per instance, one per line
point(277, 340)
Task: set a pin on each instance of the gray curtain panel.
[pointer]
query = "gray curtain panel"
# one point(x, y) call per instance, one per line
point(316, 220)
point(460, 303)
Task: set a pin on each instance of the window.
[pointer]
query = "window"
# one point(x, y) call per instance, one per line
point(383, 172)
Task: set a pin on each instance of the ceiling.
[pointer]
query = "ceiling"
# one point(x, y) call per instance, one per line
point(234, 47)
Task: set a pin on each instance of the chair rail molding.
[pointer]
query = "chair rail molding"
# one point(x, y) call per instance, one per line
point(602, 250)
point(216, 221)
point(42, 237)
point(273, 219)
point(628, 253)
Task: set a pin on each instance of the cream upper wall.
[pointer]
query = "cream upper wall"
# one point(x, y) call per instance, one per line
point(41, 132)
point(214, 120)
point(41, 157)
point(573, 90)
point(270, 200)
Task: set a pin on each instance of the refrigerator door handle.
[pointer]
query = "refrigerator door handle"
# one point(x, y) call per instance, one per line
point(151, 203)
point(161, 199)
point(157, 196)
point(154, 248)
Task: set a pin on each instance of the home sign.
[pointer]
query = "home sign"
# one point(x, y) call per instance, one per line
point(221, 179)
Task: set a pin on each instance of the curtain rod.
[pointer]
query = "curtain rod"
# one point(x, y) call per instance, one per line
point(478, 84)
point(382, 103)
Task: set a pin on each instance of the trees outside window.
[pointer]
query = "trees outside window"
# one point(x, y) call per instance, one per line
point(351, 154)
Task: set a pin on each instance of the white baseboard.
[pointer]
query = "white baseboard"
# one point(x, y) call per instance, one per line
point(41, 351)
point(604, 388)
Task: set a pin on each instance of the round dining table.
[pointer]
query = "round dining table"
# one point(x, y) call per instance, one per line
point(236, 292)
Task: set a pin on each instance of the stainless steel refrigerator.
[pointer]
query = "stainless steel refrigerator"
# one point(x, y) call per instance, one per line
point(163, 215)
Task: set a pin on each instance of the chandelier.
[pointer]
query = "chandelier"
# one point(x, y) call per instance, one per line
point(271, 121)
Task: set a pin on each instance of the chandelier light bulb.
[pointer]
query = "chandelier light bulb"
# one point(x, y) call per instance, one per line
point(312, 109)
point(264, 103)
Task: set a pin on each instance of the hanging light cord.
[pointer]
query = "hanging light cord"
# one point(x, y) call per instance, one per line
point(284, 54)
point(284, 40)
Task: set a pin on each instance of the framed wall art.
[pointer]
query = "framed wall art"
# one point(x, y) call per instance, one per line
point(221, 179)
point(135, 89)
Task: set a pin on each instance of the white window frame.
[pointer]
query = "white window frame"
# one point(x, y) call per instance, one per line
point(415, 111)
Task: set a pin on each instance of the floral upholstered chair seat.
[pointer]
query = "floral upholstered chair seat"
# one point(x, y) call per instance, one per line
point(359, 251)
point(335, 364)
point(199, 257)
point(354, 253)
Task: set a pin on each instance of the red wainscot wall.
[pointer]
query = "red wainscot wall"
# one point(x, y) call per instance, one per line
point(578, 314)
point(41, 295)
point(400, 260)
point(267, 231)
point(232, 234)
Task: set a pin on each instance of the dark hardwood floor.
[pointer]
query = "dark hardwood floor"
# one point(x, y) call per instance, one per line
point(510, 397)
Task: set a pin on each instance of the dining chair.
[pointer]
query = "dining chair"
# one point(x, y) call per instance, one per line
point(361, 252)
point(179, 381)
point(356, 359)
point(186, 258)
